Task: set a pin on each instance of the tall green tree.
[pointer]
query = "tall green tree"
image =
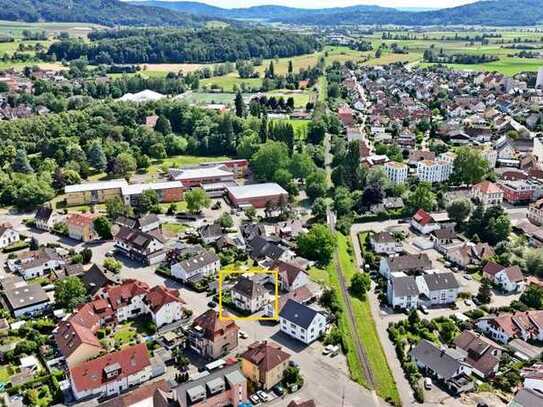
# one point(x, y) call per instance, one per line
point(422, 198)
point(269, 158)
point(469, 166)
point(21, 163)
point(240, 104)
point(197, 199)
point(70, 292)
point(96, 156)
point(317, 244)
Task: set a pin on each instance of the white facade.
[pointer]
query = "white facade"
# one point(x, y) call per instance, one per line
point(315, 330)
point(31, 310)
point(9, 237)
point(501, 278)
point(495, 333)
point(437, 297)
point(180, 271)
point(396, 172)
point(434, 171)
point(113, 387)
point(40, 269)
point(249, 304)
point(168, 313)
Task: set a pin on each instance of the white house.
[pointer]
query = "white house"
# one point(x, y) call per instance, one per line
point(487, 193)
point(434, 171)
point(301, 322)
point(408, 264)
point(423, 222)
point(111, 374)
point(36, 263)
point(164, 305)
point(8, 236)
point(396, 172)
point(385, 243)
point(510, 279)
point(143, 247)
point(438, 288)
point(201, 264)
point(291, 276)
point(402, 291)
point(535, 212)
point(249, 295)
point(45, 218)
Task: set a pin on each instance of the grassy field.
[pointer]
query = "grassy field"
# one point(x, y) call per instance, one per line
point(385, 385)
point(205, 98)
point(16, 28)
point(172, 229)
point(181, 161)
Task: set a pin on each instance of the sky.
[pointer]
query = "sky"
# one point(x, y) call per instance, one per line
point(336, 3)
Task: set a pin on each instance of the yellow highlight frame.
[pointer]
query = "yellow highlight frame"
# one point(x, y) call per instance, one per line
point(230, 317)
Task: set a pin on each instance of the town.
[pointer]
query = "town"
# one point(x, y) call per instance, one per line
point(214, 207)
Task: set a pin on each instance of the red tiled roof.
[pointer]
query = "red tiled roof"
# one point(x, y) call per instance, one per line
point(142, 393)
point(90, 375)
point(81, 219)
point(122, 294)
point(266, 355)
point(211, 324)
point(487, 187)
point(492, 268)
point(422, 217)
point(514, 274)
point(70, 336)
point(159, 296)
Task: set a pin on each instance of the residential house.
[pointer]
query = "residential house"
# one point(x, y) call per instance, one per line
point(194, 267)
point(8, 235)
point(261, 248)
point(222, 387)
point(443, 364)
point(25, 299)
point(148, 223)
point(527, 398)
point(509, 279)
point(45, 218)
point(402, 291)
point(210, 233)
point(396, 172)
point(301, 322)
point(420, 155)
point(150, 394)
point(264, 364)
point(81, 226)
point(143, 247)
point(469, 254)
point(408, 264)
point(249, 295)
point(385, 243)
point(111, 374)
point(535, 212)
point(533, 377)
point(517, 191)
point(444, 239)
point(96, 278)
point(423, 222)
point(212, 337)
point(434, 171)
point(438, 288)
point(504, 327)
point(483, 354)
point(36, 263)
point(487, 193)
point(291, 276)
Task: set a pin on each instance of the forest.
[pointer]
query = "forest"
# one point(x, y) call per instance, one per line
point(183, 46)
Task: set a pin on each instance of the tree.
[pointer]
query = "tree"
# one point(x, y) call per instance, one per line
point(115, 207)
point(21, 163)
point(96, 156)
point(240, 105)
point(485, 291)
point(250, 212)
point(163, 125)
point(319, 209)
point(197, 200)
point(226, 221)
point(270, 157)
point(469, 166)
point(123, 165)
point(147, 202)
point(422, 198)
point(102, 226)
point(302, 165)
point(317, 244)
point(86, 255)
point(373, 194)
point(447, 330)
point(459, 210)
point(360, 284)
point(534, 261)
point(316, 185)
point(112, 265)
point(292, 375)
point(343, 201)
point(533, 297)
point(70, 292)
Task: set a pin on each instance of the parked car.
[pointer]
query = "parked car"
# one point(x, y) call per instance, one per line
point(468, 277)
point(211, 304)
point(279, 390)
point(262, 395)
point(327, 349)
point(468, 302)
point(424, 309)
point(254, 399)
point(243, 335)
point(110, 253)
point(427, 383)
point(293, 363)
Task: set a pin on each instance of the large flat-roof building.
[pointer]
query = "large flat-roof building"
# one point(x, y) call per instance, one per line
point(94, 192)
point(191, 177)
point(256, 195)
point(169, 191)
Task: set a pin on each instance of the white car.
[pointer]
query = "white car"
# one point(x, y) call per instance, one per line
point(254, 399)
point(328, 349)
point(263, 395)
point(468, 277)
point(469, 303)
point(427, 383)
point(243, 335)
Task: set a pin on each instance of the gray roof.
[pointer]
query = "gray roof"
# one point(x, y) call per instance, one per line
point(249, 287)
point(410, 262)
point(441, 281)
point(25, 296)
point(199, 260)
point(261, 248)
point(404, 286)
point(298, 314)
point(440, 361)
point(527, 398)
point(383, 237)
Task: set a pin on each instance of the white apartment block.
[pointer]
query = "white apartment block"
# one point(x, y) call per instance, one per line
point(434, 171)
point(396, 172)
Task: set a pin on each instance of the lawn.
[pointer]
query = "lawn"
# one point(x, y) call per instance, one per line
point(16, 28)
point(228, 82)
point(507, 66)
point(181, 161)
point(124, 335)
point(385, 385)
point(299, 126)
point(323, 89)
point(6, 371)
point(173, 229)
point(205, 98)
point(300, 98)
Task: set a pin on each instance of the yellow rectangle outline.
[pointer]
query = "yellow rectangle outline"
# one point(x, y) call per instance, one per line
point(275, 316)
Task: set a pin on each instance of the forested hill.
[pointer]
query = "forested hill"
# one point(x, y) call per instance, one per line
point(105, 12)
point(132, 46)
point(487, 12)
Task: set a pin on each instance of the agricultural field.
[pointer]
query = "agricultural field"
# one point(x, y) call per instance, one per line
point(16, 29)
